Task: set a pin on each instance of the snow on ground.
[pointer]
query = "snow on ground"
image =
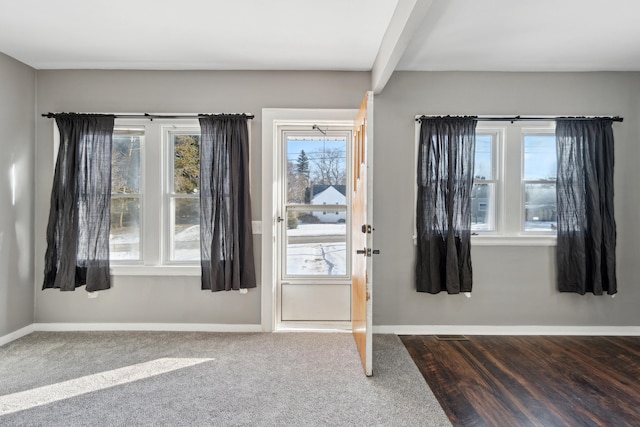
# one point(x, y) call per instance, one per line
point(189, 234)
point(318, 230)
point(317, 259)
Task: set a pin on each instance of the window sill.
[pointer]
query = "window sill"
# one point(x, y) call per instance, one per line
point(160, 270)
point(513, 240)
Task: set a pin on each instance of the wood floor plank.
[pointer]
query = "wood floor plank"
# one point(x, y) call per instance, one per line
point(537, 381)
point(514, 385)
point(552, 388)
point(453, 401)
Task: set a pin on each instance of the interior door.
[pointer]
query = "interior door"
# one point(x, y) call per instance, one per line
point(362, 233)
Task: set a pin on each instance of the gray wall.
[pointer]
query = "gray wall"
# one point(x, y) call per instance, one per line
point(170, 299)
point(512, 285)
point(17, 144)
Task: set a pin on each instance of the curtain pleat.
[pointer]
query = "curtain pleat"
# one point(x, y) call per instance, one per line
point(226, 238)
point(79, 218)
point(443, 216)
point(586, 244)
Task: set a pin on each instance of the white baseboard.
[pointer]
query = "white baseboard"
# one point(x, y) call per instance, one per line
point(506, 330)
point(16, 334)
point(380, 329)
point(167, 327)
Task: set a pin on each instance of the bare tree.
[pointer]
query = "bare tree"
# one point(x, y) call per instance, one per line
point(330, 167)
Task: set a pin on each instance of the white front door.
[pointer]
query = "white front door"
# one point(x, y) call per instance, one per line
point(312, 226)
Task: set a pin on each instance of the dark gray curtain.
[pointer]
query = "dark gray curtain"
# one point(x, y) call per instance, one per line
point(79, 217)
point(226, 238)
point(586, 226)
point(445, 176)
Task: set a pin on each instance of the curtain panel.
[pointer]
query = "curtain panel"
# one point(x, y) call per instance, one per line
point(586, 245)
point(443, 212)
point(226, 238)
point(80, 218)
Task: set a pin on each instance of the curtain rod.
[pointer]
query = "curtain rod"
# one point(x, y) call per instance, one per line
point(520, 118)
point(154, 116)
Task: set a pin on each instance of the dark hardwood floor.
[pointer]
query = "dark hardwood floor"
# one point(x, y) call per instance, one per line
point(514, 381)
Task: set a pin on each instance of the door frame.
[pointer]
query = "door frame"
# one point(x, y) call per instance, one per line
point(272, 118)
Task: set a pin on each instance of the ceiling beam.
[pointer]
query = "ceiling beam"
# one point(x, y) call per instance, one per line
point(406, 20)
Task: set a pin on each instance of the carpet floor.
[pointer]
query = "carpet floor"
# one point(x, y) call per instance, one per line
point(209, 379)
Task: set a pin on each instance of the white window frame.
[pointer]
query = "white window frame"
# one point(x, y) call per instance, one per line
point(139, 195)
point(169, 196)
point(284, 207)
point(549, 129)
point(509, 168)
point(496, 211)
point(155, 233)
point(511, 216)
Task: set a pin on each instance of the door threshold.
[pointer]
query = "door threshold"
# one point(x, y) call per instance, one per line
point(300, 326)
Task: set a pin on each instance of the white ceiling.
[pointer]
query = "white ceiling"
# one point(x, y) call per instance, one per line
point(497, 35)
point(527, 35)
point(194, 34)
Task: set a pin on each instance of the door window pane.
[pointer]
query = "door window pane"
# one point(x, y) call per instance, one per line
point(313, 165)
point(316, 243)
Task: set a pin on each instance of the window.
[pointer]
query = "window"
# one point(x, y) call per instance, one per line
point(184, 200)
point(316, 203)
point(515, 178)
point(514, 187)
point(126, 194)
point(155, 205)
point(485, 180)
point(539, 182)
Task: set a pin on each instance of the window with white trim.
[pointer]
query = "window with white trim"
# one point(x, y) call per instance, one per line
point(539, 181)
point(182, 196)
point(514, 180)
point(155, 205)
point(484, 200)
point(126, 194)
point(514, 186)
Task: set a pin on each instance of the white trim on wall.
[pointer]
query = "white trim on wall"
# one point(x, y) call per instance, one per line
point(164, 327)
point(271, 118)
point(381, 329)
point(506, 330)
point(6, 339)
